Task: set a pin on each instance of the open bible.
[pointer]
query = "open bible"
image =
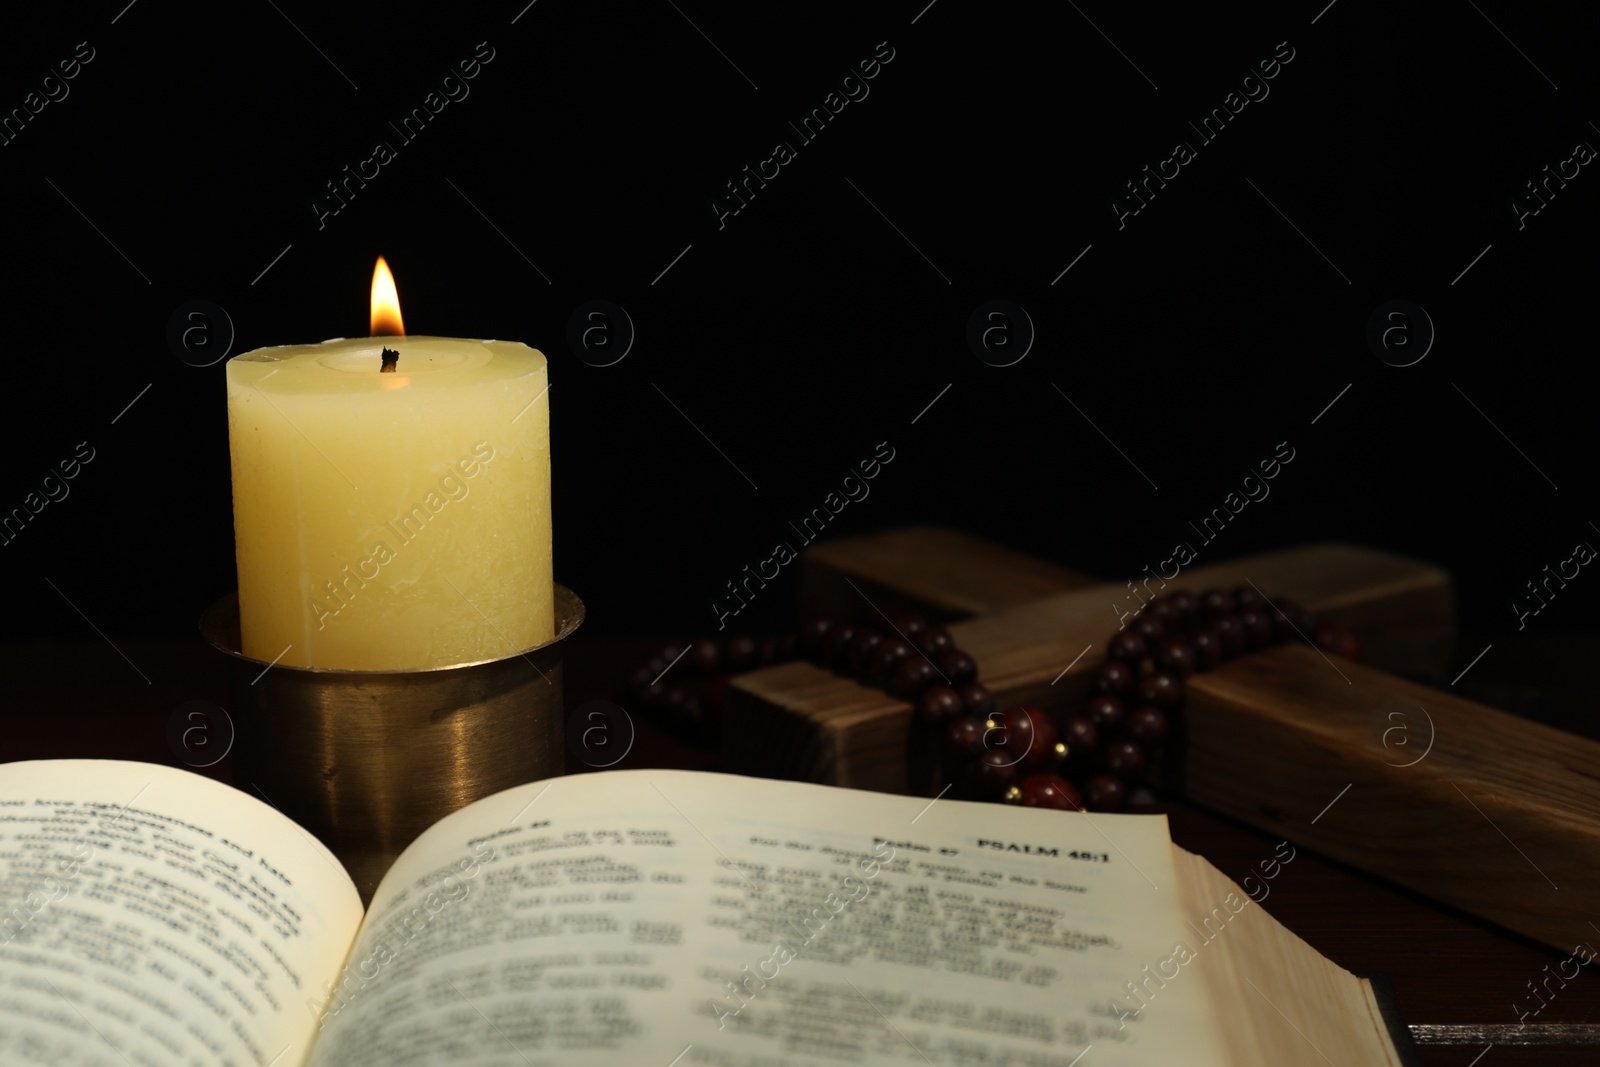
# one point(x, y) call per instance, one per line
point(646, 917)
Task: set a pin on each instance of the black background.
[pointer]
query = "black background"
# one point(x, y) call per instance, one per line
point(807, 329)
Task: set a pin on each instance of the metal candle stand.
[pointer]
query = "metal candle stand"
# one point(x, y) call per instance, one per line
point(367, 760)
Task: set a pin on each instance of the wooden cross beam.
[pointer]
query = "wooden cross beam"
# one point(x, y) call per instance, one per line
point(1500, 817)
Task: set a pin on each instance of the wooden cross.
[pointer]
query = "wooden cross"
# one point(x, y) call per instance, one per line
point(1493, 814)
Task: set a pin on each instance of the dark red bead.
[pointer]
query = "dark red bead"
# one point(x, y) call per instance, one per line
point(932, 640)
point(977, 698)
point(1207, 646)
point(993, 773)
point(1049, 791)
point(705, 656)
point(1292, 621)
point(1042, 749)
point(885, 659)
point(1159, 688)
point(1161, 610)
point(1105, 711)
point(908, 625)
point(1124, 758)
point(1106, 792)
point(1230, 631)
point(787, 647)
point(1176, 658)
point(692, 709)
point(1127, 647)
point(939, 703)
point(672, 699)
point(1214, 602)
point(1246, 596)
point(738, 652)
point(1324, 633)
point(1258, 628)
point(1026, 735)
point(831, 649)
point(809, 639)
point(1007, 731)
point(963, 738)
point(767, 649)
point(1114, 678)
point(859, 653)
point(1078, 733)
point(1148, 725)
point(640, 680)
point(1337, 641)
point(958, 667)
point(1185, 608)
point(911, 677)
point(1151, 629)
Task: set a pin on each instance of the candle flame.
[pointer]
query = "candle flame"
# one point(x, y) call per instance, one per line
point(385, 303)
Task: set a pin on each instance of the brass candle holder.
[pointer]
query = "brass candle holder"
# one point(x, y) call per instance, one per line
point(367, 760)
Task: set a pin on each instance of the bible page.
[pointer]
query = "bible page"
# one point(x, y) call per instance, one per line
point(153, 916)
point(661, 918)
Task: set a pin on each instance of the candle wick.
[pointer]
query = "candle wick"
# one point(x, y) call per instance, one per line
point(390, 359)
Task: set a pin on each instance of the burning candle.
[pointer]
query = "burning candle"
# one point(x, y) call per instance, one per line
point(391, 498)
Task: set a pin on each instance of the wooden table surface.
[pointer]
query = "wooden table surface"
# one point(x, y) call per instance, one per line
point(94, 700)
